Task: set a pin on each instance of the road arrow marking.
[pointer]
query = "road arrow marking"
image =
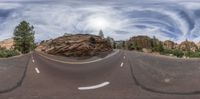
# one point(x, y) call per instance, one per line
point(94, 87)
point(37, 70)
point(122, 64)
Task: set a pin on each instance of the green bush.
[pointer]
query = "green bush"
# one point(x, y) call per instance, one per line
point(5, 53)
point(192, 54)
point(158, 48)
point(176, 52)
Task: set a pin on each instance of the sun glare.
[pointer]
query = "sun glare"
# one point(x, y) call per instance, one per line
point(99, 23)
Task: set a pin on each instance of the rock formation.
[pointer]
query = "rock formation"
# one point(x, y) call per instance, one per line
point(169, 44)
point(198, 45)
point(7, 43)
point(76, 45)
point(146, 44)
point(188, 46)
point(140, 42)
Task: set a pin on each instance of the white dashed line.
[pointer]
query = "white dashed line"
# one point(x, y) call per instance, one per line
point(33, 61)
point(37, 70)
point(122, 64)
point(124, 57)
point(94, 87)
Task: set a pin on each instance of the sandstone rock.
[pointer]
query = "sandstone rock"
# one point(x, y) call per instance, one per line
point(198, 45)
point(7, 43)
point(169, 44)
point(188, 46)
point(76, 45)
point(140, 42)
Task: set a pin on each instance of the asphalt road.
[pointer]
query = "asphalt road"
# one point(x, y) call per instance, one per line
point(124, 75)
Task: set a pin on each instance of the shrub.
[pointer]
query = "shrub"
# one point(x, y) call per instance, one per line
point(192, 54)
point(5, 53)
point(158, 48)
point(176, 52)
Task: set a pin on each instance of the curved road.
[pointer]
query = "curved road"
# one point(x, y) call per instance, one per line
point(124, 75)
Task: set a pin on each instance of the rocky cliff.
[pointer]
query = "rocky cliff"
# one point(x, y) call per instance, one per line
point(7, 43)
point(145, 42)
point(169, 44)
point(188, 46)
point(140, 42)
point(75, 45)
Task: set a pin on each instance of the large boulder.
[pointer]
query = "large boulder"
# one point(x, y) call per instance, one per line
point(76, 45)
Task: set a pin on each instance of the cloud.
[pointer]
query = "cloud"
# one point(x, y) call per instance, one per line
point(170, 20)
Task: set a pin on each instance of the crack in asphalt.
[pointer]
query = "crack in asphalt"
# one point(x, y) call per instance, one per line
point(19, 83)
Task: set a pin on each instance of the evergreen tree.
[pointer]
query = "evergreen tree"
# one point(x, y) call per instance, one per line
point(114, 45)
point(110, 41)
point(123, 44)
point(24, 37)
point(154, 42)
point(101, 34)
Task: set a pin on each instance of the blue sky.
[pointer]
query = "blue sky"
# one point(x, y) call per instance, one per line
point(175, 20)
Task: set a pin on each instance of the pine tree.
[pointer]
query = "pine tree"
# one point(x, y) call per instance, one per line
point(101, 34)
point(24, 37)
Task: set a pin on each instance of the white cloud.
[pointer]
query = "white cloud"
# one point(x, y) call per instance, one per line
point(52, 20)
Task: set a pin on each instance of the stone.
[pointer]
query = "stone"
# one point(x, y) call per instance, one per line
point(76, 45)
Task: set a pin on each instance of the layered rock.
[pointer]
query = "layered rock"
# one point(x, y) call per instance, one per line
point(169, 44)
point(188, 46)
point(76, 45)
point(146, 44)
point(198, 45)
point(140, 42)
point(7, 43)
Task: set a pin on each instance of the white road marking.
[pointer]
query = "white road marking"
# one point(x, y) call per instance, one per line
point(124, 57)
point(94, 87)
point(167, 80)
point(122, 64)
point(87, 62)
point(33, 61)
point(37, 70)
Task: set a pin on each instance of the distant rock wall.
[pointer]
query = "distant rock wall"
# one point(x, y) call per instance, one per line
point(145, 42)
point(140, 42)
point(169, 44)
point(188, 46)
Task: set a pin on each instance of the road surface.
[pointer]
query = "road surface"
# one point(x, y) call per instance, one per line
point(124, 75)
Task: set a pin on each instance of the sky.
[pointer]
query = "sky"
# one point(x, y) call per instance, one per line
point(175, 20)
